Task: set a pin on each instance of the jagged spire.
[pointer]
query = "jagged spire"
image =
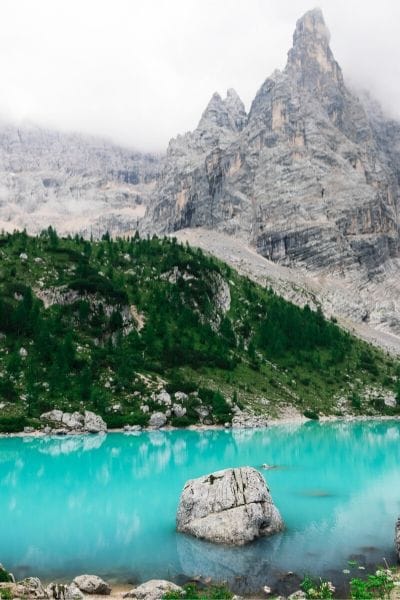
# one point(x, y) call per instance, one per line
point(310, 59)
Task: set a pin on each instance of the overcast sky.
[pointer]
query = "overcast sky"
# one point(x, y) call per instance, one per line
point(141, 71)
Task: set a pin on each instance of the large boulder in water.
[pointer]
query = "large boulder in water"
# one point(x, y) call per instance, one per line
point(397, 539)
point(232, 507)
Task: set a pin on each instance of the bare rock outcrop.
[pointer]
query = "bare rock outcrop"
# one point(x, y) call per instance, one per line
point(231, 507)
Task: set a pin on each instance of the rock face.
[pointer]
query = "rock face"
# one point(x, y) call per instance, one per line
point(397, 539)
point(73, 182)
point(310, 177)
point(232, 507)
point(153, 590)
point(92, 584)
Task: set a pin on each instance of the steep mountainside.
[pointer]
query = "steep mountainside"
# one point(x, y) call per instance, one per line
point(133, 327)
point(310, 177)
point(74, 182)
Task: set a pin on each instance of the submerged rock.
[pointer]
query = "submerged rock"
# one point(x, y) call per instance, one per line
point(232, 507)
point(153, 590)
point(92, 584)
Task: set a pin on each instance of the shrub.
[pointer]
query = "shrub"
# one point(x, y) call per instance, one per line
point(221, 410)
point(378, 585)
point(355, 401)
point(317, 589)
point(12, 424)
point(184, 421)
point(311, 414)
point(115, 421)
point(4, 576)
point(192, 592)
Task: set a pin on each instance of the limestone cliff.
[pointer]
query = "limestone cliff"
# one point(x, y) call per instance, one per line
point(310, 177)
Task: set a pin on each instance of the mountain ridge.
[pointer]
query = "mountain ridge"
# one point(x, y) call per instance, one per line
point(311, 181)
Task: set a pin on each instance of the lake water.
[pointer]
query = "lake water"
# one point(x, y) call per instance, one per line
point(107, 504)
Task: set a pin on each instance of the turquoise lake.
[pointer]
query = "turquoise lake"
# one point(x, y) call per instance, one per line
point(107, 504)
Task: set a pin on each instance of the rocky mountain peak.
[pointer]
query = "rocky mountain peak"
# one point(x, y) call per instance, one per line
point(310, 60)
point(228, 114)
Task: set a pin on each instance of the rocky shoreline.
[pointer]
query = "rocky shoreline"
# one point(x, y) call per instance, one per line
point(250, 423)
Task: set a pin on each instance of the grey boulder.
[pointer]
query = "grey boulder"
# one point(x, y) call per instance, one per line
point(153, 590)
point(92, 584)
point(231, 507)
point(157, 419)
point(30, 587)
point(94, 423)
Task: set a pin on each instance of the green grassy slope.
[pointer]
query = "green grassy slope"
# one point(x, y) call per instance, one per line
point(103, 324)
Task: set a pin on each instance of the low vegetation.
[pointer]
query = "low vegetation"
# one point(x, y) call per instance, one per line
point(105, 324)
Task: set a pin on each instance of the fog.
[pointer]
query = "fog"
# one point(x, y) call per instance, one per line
point(142, 71)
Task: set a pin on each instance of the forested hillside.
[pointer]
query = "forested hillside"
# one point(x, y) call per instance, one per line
point(107, 324)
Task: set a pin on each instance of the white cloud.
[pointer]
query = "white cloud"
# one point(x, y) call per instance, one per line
point(143, 71)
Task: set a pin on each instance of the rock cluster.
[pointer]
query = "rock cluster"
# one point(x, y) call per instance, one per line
point(73, 182)
point(65, 422)
point(231, 507)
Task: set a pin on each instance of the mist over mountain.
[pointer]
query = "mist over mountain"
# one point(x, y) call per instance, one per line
point(308, 177)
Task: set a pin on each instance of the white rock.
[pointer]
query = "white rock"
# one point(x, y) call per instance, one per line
point(233, 507)
point(72, 420)
point(30, 587)
point(23, 256)
point(153, 590)
point(23, 352)
point(202, 412)
point(94, 423)
point(181, 397)
point(178, 410)
point(92, 584)
point(132, 428)
point(163, 398)
point(54, 415)
point(157, 419)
